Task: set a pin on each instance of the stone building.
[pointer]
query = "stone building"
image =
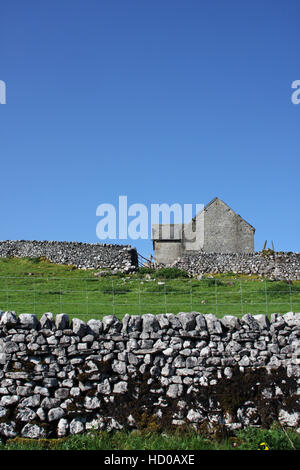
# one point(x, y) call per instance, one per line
point(215, 229)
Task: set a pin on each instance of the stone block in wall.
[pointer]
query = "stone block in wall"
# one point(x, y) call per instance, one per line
point(8, 319)
point(28, 321)
point(62, 321)
point(47, 321)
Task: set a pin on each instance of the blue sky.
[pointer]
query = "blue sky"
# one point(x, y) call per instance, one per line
point(162, 101)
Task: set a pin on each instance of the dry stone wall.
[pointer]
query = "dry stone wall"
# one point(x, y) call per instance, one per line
point(273, 265)
point(161, 371)
point(82, 255)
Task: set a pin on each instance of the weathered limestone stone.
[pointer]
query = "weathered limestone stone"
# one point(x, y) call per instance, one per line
point(200, 321)
point(32, 401)
point(32, 431)
point(104, 388)
point(119, 367)
point(28, 321)
point(250, 321)
point(8, 319)
point(62, 321)
point(214, 326)
point(79, 327)
point(26, 415)
point(292, 319)
point(47, 321)
point(289, 419)
point(8, 400)
point(205, 352)
point(76, 426)
point(48, 403)
point(135, 324)
point(169, 352)
point(92, 403)
point(62, 427)
point(75, 392)
point(41, 413)
point(174, 390)
point(41, 391)
point(245, 361)
point(230, 322)
point(2, 358)
point(187, 320)
point(150, 323)
point(163, 321)
point(174, 321)
point(233, 347)
point(113, 424)
point(3, 412)
point(95, 326)
point(194, 416)
point(55, 414)
point(167, 371)
point(8, 430)
point(62, 393)
point(121, 387)
point(263, 321)
point(11, 347)
point(111, 324)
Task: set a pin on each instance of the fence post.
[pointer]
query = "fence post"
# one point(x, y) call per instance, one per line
point(291, 298)
point(60, 297)
point(191, 295)
point(266, 296)
point(139, 296)
point(216, 295)
point(241, 296)
point(34, 300)
point(87, 299)
point(113, 296)
point(7, 296)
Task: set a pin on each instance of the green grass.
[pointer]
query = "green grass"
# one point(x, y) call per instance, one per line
point(250, 439)
point(38, 286)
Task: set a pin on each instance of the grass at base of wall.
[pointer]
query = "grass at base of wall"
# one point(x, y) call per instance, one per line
point(38, 286)
point(274, 438)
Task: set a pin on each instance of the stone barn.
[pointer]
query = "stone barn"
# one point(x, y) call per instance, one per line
point(215, 229)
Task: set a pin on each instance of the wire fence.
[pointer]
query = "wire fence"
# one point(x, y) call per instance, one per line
point(93, 297)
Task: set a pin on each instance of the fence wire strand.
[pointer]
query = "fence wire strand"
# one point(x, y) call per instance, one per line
point(88, 298)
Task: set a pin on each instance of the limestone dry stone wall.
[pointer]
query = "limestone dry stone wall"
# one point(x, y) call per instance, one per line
point(82, 255)
point(273, 265)
point(162, 371)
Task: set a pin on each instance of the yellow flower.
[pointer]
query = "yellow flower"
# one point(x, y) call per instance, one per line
point(263, 446)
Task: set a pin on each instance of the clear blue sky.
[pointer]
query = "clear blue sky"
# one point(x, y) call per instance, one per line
point(162, 101)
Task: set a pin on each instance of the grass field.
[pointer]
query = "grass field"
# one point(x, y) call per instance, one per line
point(38, 286)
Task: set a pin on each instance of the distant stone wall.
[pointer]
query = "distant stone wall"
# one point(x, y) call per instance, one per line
point(164, 371)
point(82, 255)
point(276, 265)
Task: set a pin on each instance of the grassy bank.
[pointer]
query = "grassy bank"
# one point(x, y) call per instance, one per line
point(249, 439)
point(37, 286)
